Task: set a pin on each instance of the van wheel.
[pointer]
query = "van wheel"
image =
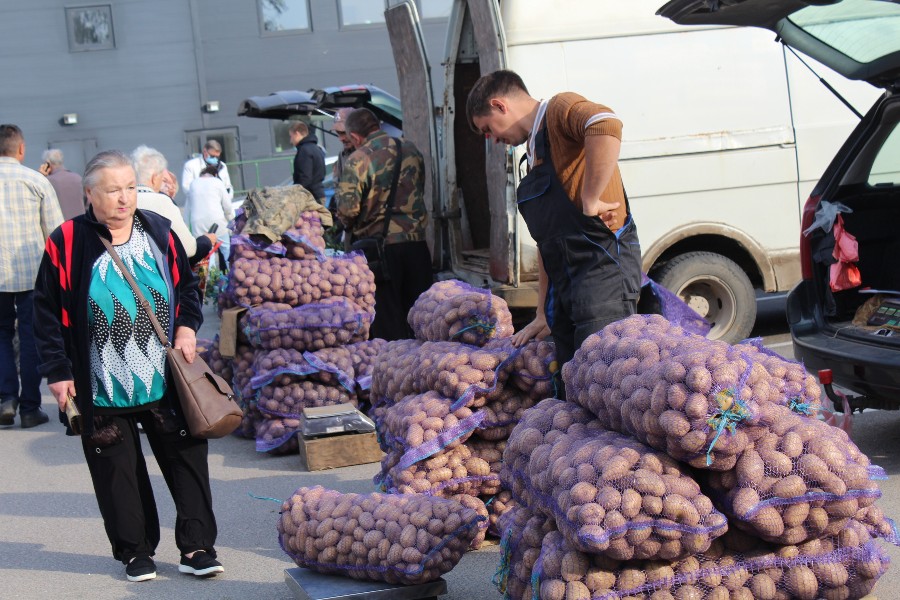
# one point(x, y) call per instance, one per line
point(717, 289)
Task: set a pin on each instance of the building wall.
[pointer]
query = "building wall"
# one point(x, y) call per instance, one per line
point(171, 57)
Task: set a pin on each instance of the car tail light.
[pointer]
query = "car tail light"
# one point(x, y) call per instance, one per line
point(826, 377)
point(809, 214)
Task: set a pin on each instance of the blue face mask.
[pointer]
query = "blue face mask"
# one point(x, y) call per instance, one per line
point(212, 160)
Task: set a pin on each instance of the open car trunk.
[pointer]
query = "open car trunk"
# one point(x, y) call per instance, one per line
point(870, 187)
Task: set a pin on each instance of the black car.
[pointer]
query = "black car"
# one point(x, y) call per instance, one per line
point(836, 321)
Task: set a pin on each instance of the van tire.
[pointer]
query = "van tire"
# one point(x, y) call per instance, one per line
point(717, 288)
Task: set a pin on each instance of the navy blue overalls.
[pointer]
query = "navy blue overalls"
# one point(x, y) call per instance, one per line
point(594, 274)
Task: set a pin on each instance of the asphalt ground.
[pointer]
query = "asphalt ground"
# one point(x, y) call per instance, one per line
point(52, 543)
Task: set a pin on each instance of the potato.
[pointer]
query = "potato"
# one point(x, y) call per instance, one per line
point(452, 310)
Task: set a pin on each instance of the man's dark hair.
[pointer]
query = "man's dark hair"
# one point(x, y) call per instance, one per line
point(10, 138)
point(498, 83)
point(362, 121)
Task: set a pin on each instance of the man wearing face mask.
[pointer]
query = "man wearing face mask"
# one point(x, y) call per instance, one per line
point(212, 151)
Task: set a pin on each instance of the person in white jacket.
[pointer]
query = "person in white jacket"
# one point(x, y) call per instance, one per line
point(212, 155)
point(150, 168)
point(208, 204)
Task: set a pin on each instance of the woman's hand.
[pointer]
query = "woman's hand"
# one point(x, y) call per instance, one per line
point(61, 390)
point(536, 329)
point(186, 341)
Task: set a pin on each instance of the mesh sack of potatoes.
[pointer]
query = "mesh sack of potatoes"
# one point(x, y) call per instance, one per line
point(299, 282)
point(363, 355)
point(306, 239)
point(449, 472)
point(608, 493)
point(531, 367)
point(249, 421)
point(287, 396)
point(454, 311)
point(498, 505)
point(218, 364)
point(243, 246)
point(802, 479)
point(396, 538)
point(695, 399)
point(491, 452)
point(468, 375)
point(242, 369)
point(480, 508)
point(277, 436)
point(522, 533)
point(331, 366)
point(846, 566)
point(332, 322)
point(502, 412)
point(422, 425)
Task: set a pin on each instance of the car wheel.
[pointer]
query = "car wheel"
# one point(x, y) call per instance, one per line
point(717, 289)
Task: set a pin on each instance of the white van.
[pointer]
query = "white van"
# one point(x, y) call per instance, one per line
point(725, 134)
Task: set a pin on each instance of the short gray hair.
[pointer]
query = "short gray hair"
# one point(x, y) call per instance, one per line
point(54, 156)
point(213, 145)
point(147, 162)
point(108, 159)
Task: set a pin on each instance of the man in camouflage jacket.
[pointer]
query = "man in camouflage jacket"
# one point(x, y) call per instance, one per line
point(362, 196)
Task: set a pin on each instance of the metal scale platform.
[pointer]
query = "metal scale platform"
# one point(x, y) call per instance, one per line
point(309, 585)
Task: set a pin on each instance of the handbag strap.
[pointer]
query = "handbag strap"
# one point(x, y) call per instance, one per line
point(163, 338)
point(389, 210)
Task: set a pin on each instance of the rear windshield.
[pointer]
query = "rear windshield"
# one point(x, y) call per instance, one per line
point(864, 30)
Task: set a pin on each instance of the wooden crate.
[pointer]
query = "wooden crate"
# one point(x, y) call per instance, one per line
point(340, 450)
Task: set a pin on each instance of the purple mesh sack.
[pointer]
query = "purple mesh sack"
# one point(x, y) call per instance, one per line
point(846, 566)
point(801, 480)
point(481, 510)
point(363, 355)
point(499, 505)
point(218, 364)
point(306, 239)
point(449, 472)
point(331, 366)
point(490, 452)
point(332, 322)
point(531, 368)
point(502, 412)
point(674, 309)
point(245, 247)
point(454, 311)
point(250, 420)
point(522, 534)
point(396, 538)
point(277, 436)
point(608, 493)
point(698, 400)
point(422, 425)
point(242, 368)
point(287, 397)
point(298, 282)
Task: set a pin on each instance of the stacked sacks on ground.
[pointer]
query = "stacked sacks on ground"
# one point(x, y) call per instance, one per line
point(395, 538)
point(715, 407)
point(444, 408)
point(803, 519)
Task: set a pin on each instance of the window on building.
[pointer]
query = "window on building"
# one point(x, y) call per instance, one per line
point(90, 28)
point(284, 16)
point(361, 12)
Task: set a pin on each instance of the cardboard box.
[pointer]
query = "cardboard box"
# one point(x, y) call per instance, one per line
point(337, 436)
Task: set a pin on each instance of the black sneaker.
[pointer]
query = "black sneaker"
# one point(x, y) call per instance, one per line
point(141, 568)
point(33, 418)
point(200, 564)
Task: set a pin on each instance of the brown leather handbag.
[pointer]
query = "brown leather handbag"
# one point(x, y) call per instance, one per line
point(207, 400)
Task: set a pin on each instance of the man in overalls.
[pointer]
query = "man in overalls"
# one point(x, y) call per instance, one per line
point(573, 202)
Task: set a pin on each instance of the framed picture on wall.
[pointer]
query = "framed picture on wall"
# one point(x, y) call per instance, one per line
point(90, 28)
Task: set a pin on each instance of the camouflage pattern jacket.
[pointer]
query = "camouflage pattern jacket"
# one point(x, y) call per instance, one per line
point(365, 185)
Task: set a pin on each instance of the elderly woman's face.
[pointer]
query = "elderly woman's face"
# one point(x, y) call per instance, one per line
point(114, 196)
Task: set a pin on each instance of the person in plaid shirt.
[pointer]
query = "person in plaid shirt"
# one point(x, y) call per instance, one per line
point(30, 212)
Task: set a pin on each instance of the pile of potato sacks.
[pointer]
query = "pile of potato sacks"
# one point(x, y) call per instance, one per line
point(445, 403)
point(685, 468)
point(303, 341)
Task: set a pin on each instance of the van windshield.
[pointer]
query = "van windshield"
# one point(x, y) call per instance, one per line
point(864, 30)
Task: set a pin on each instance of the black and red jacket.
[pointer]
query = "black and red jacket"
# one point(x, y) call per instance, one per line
point(61, 291)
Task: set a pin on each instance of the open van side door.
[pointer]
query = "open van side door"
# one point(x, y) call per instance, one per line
point(417, 100)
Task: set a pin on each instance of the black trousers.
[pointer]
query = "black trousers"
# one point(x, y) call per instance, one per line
point(125, 496)
point(409, 264)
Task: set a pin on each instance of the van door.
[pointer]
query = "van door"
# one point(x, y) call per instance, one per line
point(417, 100)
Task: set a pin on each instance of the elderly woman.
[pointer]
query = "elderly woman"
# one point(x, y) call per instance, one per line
point(97, 345)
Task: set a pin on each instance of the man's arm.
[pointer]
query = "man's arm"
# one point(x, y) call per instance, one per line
point(601, 154)
point(350, 191)
point(187, 176)
point(303, 169)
